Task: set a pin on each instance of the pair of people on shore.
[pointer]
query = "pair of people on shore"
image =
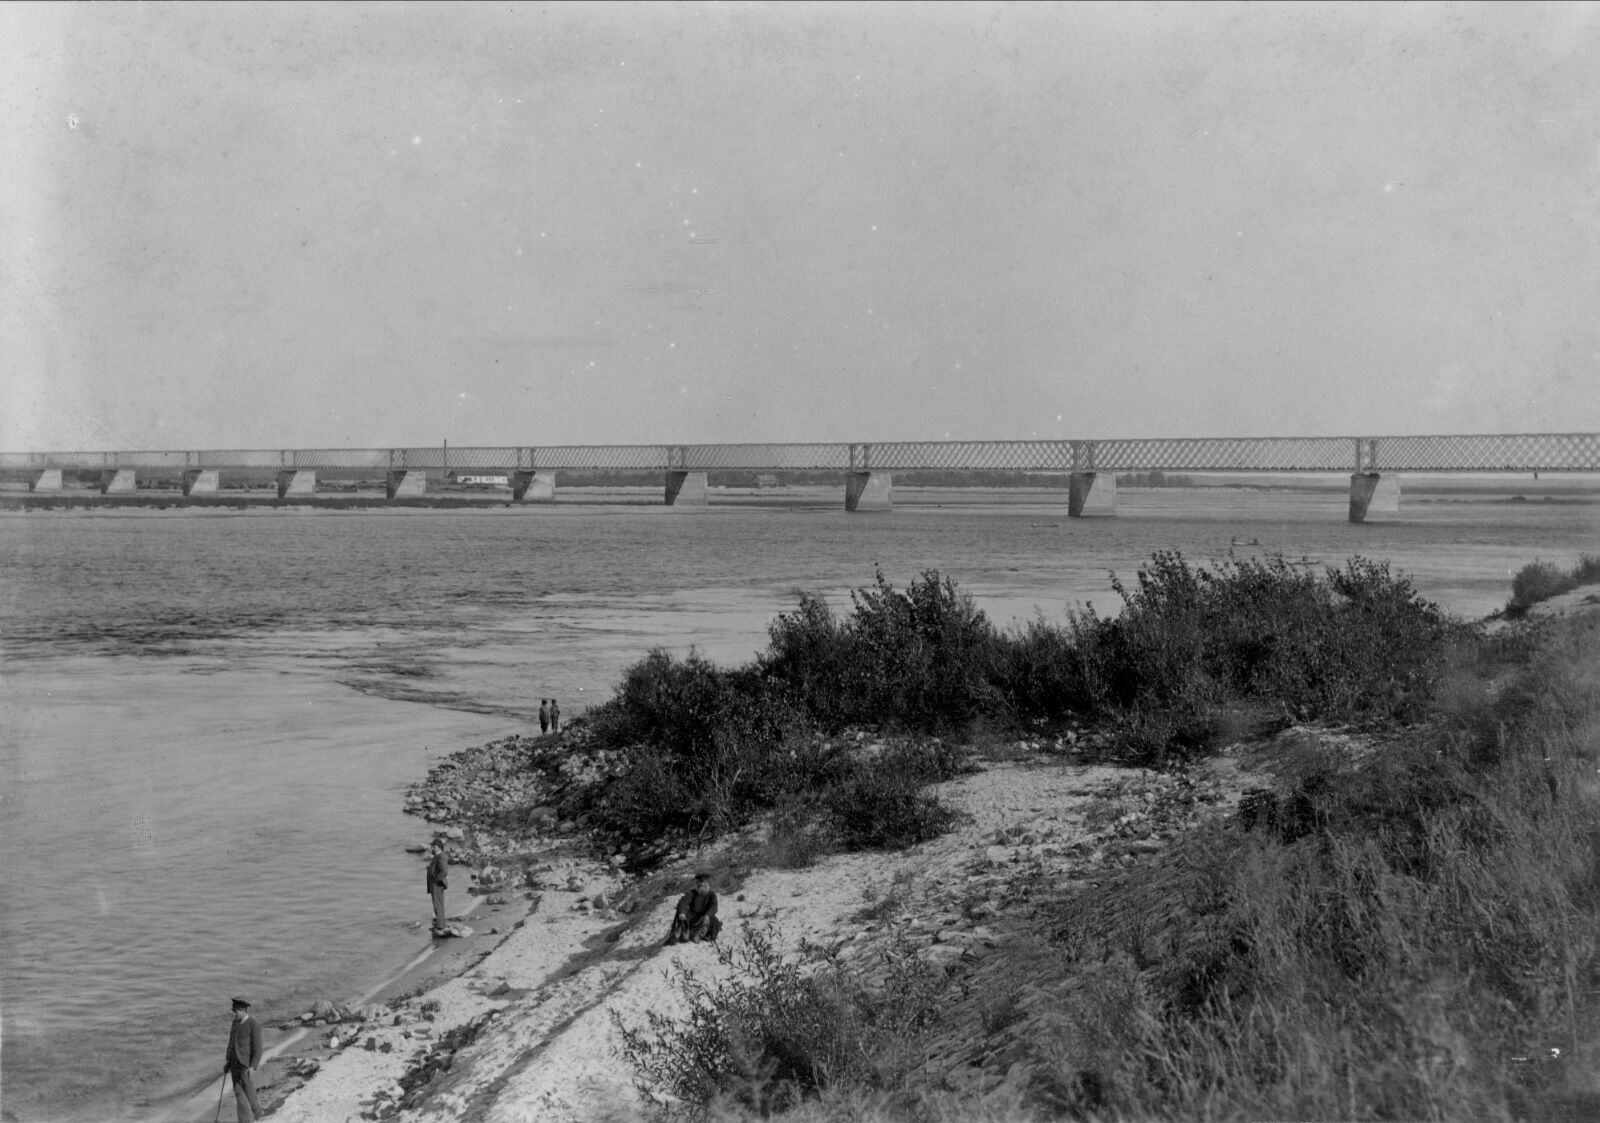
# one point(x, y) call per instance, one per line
point(549, 715)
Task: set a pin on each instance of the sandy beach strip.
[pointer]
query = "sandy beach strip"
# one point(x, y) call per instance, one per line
point(435, 963)
point(556, 988)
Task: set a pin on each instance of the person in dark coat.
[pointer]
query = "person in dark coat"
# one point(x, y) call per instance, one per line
point(243, 1058)
point(544, 716)
point(696, 916)
point(438, 881)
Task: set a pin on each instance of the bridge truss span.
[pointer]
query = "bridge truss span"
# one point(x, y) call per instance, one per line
point(764, 457)
point(1513, 452)
point(869, 468)
point(1516, 452)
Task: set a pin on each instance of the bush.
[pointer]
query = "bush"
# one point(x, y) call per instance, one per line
point(1540, 581)
point(810, 652)
point(919, 658)
point(705, 749)
point(1042, 671)
point(1356, 644)
point(778, 1030)
point(882, 806)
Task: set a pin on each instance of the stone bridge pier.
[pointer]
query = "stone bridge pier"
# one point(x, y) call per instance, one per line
point(869, 491)
point(201, 481)
point(1372, 493)
point(406, 484)
point(296, 482)
point(1090, 494)
point(687, 489)
point(118, 480)
point(529, 486)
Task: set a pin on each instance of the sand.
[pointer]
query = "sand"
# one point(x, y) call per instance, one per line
point(560, 982)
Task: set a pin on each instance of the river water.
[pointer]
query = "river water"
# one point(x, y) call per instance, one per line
point(210, 718)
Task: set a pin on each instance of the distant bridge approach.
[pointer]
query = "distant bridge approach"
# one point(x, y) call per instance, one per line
point(867, 468)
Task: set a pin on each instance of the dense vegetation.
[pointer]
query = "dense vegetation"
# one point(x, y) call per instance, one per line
point(1540, 580)
point(1379, 938)
point(1197, 654)
point(1402, 933)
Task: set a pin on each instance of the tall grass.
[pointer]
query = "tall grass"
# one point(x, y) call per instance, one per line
point(1385, 952)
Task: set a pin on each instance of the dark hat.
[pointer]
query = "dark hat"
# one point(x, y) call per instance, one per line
point(240, 1003)
point(702, 876)
point(438, 844)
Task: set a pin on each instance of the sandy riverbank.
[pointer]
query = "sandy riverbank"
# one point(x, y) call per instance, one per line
point(546, 1001)
point(295, 1050)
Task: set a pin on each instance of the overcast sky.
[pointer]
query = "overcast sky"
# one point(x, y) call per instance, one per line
point(287, 226)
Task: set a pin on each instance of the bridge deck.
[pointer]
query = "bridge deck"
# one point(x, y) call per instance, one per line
point(1487, 452)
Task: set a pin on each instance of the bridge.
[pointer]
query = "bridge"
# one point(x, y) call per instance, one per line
point(1374, 464)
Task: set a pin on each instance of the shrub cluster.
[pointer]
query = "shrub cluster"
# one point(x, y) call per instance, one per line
point(918, 657)
point(1350, 644)
point(776, 1030)
point(1540, 580)
point(1354, 644)
point(881, 805)
point(707, 749)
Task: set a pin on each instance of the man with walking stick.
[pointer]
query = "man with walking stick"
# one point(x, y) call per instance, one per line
point(242, 1059)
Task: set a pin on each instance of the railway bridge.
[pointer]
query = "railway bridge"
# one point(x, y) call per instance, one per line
point(867, 469)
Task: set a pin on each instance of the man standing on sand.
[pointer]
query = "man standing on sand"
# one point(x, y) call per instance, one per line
point(555, 716)
point(544, 716)
point(438, 880)
point(243, 1058)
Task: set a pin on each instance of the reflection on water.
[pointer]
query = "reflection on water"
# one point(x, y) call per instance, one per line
point(208, 723)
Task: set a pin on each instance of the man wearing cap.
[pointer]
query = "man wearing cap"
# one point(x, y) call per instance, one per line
point(243, 1058)
point(438, 881)
point(696, 915)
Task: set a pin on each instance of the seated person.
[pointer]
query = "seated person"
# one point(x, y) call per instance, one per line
point(696, 916)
